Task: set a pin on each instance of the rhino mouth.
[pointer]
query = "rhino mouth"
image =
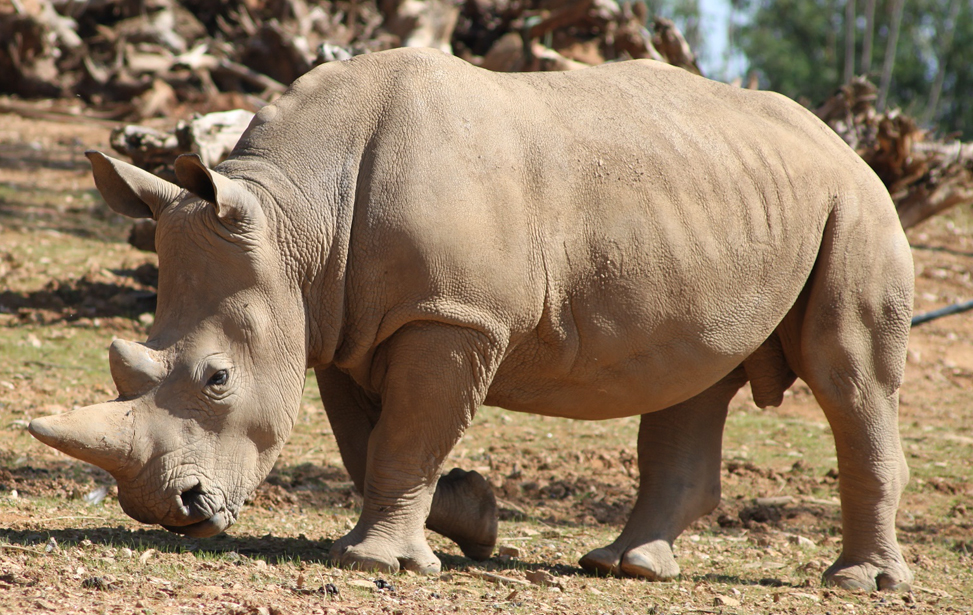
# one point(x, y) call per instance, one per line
point(202, 514)
point(202, 529)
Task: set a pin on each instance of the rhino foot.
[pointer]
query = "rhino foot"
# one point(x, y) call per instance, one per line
point(652, 561)
point(892, 576)
point(383, 555)
point(602, 561)
point(464, 510)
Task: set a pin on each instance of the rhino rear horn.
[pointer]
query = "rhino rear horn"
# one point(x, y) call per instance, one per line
point(129, 190)
point(135, 368)
point(235, 205)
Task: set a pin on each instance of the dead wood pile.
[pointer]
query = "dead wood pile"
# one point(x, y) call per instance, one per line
point(146, 58)
point(211, 137)
point(925, 176)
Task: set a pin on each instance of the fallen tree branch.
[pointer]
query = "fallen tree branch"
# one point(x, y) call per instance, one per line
point(251, 76)
point(43, 112)
point(949, 310)
point(496, 578)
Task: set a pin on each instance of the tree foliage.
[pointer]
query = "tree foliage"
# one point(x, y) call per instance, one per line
point(798, 48)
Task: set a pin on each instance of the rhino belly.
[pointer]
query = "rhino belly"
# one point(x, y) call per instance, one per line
point(638, 386)
point(600, 362)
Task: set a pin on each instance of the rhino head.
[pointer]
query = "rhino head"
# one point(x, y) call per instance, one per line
point(206, 403)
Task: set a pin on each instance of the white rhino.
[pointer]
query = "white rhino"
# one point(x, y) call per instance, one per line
point(429, 237)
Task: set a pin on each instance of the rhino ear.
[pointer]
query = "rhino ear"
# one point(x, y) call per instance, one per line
point(129, 190)
point(235, 205)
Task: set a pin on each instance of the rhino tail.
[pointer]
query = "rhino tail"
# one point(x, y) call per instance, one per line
point(769, 373)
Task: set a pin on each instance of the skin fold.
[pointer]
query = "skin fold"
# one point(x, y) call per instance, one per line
point(429, 237)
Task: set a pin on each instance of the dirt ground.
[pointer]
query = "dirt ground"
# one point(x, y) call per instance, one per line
point(69, 285)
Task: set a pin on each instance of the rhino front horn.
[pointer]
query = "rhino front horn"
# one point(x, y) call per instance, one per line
point(100, 435)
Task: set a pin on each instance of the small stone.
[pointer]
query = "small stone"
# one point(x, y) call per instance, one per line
point(725, 601)
point(508, 552)
point(96, 495)
point(800, 541)
point(543, 578)
point(99, 583)
point(384, 585)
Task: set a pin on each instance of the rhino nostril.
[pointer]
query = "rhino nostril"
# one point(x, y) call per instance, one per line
point(192, 498)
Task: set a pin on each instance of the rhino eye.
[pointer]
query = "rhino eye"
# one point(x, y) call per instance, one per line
point(218, 379)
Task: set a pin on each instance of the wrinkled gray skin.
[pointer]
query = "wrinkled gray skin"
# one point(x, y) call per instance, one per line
point(430, 237)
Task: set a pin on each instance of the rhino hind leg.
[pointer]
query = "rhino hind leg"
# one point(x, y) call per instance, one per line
point(464, 508)
point(872, 475)
point(679, 465)
point(852, 356)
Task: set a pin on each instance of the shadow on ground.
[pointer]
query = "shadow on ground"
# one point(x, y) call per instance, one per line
point(67, 300)
point(234, 548)
point(80, 213)
point(270, 548)
point(27, 155)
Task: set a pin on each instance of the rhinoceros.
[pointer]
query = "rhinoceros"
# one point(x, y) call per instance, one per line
point(429, 237)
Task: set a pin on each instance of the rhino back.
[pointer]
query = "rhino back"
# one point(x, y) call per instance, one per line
point(623, 231)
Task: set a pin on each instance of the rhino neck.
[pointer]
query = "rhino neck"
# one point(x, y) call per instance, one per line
point(307, 149)
point(311, 229)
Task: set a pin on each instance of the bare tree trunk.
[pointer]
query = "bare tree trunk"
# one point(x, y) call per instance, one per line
point(945, 37)
point(887, 65)
point(849, 40)
point(867, 40)
point(831, 50)
point(730, 39)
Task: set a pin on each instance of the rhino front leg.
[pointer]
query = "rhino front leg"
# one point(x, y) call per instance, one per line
point(432, 377)
point(679, 481)
point(464, 508)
